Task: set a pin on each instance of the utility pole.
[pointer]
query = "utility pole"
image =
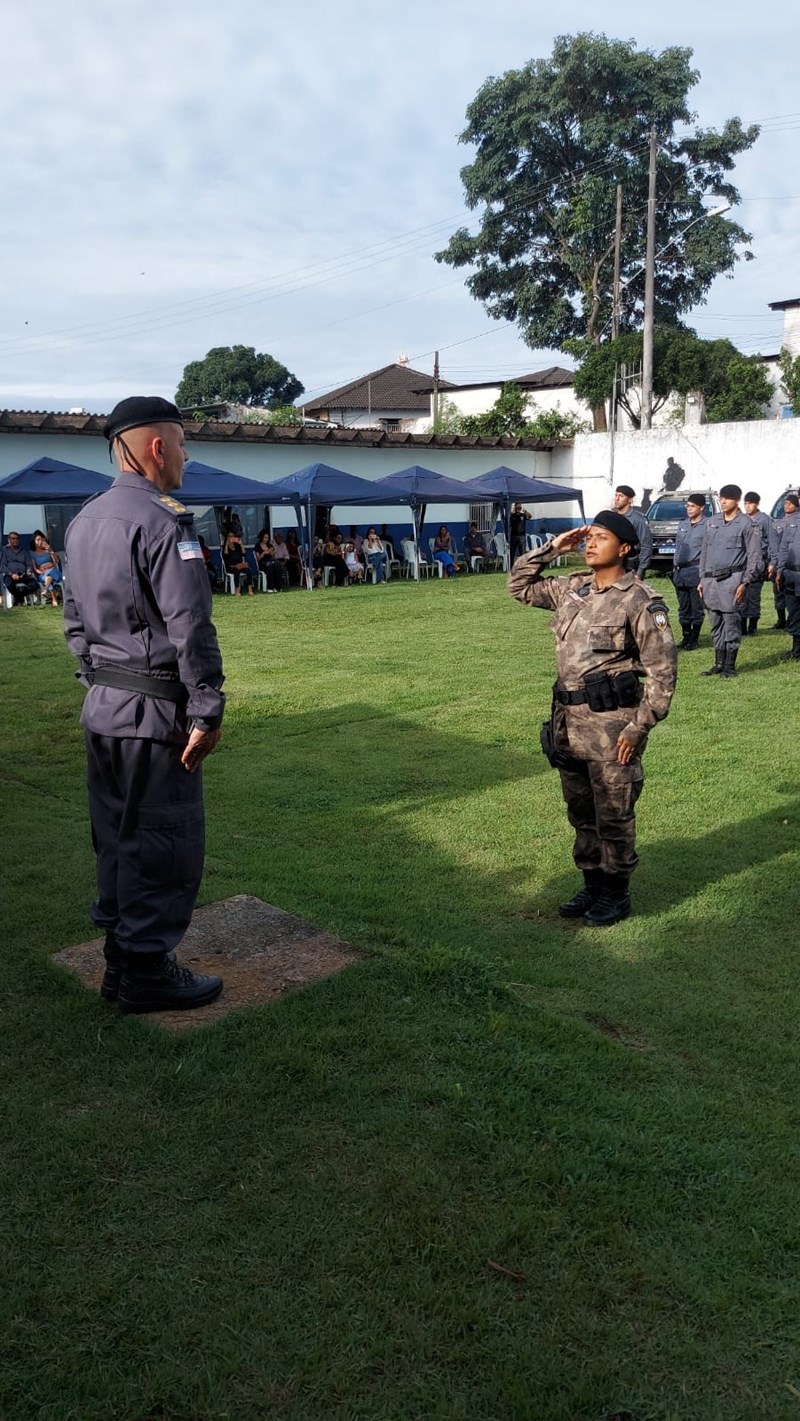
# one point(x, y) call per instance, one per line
point(617, 264)
point(649, 290)
point(435, 389)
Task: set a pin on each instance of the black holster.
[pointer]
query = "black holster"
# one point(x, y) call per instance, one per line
point(559, 759)
point(608, 693)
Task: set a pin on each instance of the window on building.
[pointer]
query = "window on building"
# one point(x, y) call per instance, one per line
point(481, 513)
point(390, 425)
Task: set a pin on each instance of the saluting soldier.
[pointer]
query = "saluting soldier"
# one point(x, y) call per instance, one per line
point(751, 607)
point(730, 559)
point(788, 576)
point(137, 614)
point(686, 571)
point(616, 664)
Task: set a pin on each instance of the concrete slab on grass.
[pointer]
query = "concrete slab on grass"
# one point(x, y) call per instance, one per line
point(257, 949)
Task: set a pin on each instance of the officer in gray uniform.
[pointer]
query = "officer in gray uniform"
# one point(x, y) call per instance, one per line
point(616, 677)
point(137, 614)
point(788, 576)
point(623, 503)
point(686, 571)
point(729, 560)
point(791, 503)
point(751, 608)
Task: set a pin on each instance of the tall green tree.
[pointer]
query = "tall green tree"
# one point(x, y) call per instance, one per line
point(552, 142)
point(238, 374)
point(790, 378)
point(735, 386)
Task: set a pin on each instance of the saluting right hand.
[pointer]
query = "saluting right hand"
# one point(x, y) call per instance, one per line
point(567, 542)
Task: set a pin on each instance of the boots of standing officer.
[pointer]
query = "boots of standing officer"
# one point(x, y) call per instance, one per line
point(586, 897)
point(109, 987)
point(780, 625)
point(719, 662)
point(729, 669)
point(794, 654)
point(694, 636)
point(156, 982)
point(744, 626)
point(686, 644)
point(753, 626)
point(614, 902)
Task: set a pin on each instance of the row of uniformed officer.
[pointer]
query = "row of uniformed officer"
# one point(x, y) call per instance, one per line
point(730, 560)
point(137, 614)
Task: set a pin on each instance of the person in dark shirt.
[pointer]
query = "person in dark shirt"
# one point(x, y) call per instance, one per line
point(516, 527)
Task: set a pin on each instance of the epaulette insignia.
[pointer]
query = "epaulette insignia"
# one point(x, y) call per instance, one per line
point(172, 504)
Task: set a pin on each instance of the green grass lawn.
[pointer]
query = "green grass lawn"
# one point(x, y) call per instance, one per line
point(293, 1214)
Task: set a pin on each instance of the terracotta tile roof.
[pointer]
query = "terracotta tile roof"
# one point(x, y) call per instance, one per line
point(394, 387)
point(35, 422)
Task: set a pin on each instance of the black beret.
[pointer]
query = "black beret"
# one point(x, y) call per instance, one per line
point(622, 528)
point(752, 498)
point(140, 410)
point(730, 491)
point(626, 489)
point(792, 498)
point(698, 498)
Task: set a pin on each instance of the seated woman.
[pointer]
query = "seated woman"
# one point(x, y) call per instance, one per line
point(282, 561)
point(443, 551)
point(334, 557)
point(274, 571)
point(375, 553)
point(235, 562)
point(295, 558)
point(46, 566)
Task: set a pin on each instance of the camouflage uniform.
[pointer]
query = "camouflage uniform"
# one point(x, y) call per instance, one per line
point(621, 628)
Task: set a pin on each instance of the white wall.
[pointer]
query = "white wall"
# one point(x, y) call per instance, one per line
point(763, 455)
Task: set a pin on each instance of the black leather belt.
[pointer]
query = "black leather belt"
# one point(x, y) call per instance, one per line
point(161, 687)
point(723, 574)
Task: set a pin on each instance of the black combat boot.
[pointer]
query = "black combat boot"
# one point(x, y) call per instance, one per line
point(109, 987)
point(719, 662)
point(614, 902)
point(155, 982)
point(780, 625)
point(694, 636)
point(744, 626)
point(586, 897)
point(794, 654)
point(729, 669)
point(753, 626)
point(686, 644)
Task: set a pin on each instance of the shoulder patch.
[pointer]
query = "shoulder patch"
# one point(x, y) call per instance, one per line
point(658, 611)
point(164, 500)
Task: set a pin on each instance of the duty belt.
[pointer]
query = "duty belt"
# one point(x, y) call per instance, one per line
point(161, 687)
point(723, 573)
point(602, 691)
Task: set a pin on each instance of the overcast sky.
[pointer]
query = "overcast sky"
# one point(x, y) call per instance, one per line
point(177, 177)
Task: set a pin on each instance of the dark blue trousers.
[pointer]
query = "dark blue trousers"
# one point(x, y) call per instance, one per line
point(149, 837)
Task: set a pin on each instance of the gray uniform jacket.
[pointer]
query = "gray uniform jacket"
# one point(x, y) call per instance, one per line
point(624, 627)
point(688, 546)
point(789, 554)
point(769, 538)
point(138, 599)
point(640, 523)
point(730, 555)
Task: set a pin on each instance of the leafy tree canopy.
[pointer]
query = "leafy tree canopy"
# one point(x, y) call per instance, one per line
point(735, 386)
point(238, 374)
point(552, 141)
point(790, 378)
point(511, 415)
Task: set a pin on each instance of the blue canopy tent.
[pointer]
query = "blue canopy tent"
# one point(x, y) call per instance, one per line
point(203, 484)
point(507, 486)
point(419, 487)
point(320, 484)
point(48, 480)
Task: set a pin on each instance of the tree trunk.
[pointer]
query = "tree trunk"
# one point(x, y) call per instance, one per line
point(599, 418)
